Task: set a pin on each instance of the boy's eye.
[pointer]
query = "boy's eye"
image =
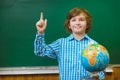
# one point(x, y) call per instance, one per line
point(73, 20)
point(81, 19)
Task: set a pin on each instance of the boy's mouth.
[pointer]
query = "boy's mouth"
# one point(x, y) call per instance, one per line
point(78, 27)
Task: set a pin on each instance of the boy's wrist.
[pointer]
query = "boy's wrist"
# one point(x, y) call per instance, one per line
point(40, 34)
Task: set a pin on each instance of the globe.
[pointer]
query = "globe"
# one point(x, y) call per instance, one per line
point(95, 58)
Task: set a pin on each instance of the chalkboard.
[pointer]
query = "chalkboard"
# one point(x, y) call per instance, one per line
point(17, 28)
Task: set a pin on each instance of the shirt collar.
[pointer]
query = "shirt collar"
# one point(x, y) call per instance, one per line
point(71, 37)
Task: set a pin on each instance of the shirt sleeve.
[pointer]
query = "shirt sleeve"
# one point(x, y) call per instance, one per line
point(101, 75)
point(42, 49)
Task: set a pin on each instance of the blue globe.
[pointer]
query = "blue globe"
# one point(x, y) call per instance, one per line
point(95, 58)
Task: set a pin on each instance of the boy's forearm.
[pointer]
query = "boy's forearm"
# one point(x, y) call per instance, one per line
point(38, 44)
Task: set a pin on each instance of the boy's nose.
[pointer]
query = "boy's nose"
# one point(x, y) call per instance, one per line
point(77, 23)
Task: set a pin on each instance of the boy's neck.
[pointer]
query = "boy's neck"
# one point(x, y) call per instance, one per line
point(78, 36)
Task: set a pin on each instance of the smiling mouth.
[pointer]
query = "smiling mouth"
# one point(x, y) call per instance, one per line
point(78, 26)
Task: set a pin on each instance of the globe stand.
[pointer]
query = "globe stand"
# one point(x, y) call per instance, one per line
point(93, 76)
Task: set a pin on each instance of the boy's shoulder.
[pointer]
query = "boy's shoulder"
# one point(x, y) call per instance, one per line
point(91, 40)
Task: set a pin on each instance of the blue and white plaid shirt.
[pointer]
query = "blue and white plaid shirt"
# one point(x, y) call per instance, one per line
point(68, 53)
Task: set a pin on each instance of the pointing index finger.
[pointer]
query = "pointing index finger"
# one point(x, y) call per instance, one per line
point(41, 16)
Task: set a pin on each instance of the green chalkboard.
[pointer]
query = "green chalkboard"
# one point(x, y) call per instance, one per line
point(17, 28)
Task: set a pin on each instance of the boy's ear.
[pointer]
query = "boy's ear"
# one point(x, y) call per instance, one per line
point(69, 27)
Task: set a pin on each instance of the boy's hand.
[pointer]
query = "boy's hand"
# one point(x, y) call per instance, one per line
point(96, 77)
point(41, 24)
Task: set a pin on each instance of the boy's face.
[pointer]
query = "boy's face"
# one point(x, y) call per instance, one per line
point(78, 24)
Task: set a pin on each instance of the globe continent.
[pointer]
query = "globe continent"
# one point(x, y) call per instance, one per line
point(95, 58)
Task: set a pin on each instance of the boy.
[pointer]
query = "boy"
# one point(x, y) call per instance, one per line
point(68, 50)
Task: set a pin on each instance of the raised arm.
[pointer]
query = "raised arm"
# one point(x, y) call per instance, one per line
point(40, 47)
